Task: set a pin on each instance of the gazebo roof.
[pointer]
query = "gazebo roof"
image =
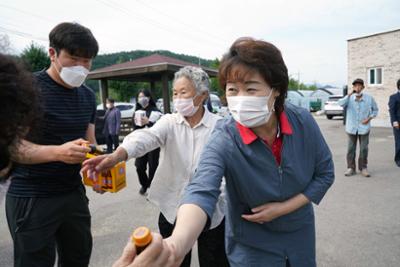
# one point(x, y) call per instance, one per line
point(145, 68)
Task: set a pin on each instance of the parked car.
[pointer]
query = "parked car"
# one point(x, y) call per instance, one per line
point(127, 109)
point(318, 99)
point(332, 108)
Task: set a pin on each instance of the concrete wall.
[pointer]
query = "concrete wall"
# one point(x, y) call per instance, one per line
point(380, 50)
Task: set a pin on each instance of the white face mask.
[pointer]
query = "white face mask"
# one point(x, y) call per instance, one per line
point(73, 76)
point(185, 106)
point(250, 111)
point(358, 94)
point(143, 101)
point(108, 106)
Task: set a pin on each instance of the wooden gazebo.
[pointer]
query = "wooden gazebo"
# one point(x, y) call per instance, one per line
point(153, 68)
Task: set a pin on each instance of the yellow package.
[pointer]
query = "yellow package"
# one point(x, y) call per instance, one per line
point(111, 181)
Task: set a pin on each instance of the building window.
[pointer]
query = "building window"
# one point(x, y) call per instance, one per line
point(375, 76)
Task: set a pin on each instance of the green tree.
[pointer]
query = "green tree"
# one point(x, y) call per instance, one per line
point(35, 57)
point(214, 81)
point(294, 85)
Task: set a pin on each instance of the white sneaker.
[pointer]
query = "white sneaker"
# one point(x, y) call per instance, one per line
point(365, 173)
point(350, 172)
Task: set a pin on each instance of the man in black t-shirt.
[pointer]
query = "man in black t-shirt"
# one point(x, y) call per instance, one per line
point(46, 205)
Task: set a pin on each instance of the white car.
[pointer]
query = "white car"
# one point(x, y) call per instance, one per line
point(127, 109)
point(332, 108)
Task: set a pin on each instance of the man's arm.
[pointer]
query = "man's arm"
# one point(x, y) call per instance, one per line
point(71, 152)
point(392, 111)
point(345, 100)
point(374, 108)
point(90, 134)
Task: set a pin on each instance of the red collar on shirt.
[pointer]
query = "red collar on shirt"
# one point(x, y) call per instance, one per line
point(248, 136)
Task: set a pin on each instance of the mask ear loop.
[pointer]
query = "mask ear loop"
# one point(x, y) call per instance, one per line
point(273, 104)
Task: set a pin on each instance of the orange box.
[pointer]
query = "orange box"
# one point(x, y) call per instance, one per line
point(111, 181)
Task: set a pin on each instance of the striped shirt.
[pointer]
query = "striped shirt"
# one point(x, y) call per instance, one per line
point(66, 117)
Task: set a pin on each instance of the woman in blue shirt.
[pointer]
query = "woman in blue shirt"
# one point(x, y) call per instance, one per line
point(275, 161)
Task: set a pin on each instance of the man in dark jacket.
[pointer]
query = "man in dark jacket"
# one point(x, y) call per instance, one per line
point(394, 110)
point(112, 123)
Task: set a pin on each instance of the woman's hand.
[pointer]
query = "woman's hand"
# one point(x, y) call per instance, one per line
point(98, 164)
point(273, 210)
point(145, 120)
point(103, 163)
point(157, 254)
point(265, 213)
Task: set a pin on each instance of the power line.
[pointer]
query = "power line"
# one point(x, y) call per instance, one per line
point(179, 21)
point(152, 22)
point(110, 4)
point(23, 34)
point(27, 13)
point(29, 36)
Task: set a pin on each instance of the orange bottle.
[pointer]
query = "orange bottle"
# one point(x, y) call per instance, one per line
point(141, 237)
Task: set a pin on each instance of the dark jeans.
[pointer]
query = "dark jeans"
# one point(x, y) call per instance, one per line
point(150, 158)
point(40, 226)
point(396, 133)
point(112, 141)
point(351, 151)
point(210, 244)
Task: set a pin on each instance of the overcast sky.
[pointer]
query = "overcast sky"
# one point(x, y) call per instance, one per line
point(311, 34)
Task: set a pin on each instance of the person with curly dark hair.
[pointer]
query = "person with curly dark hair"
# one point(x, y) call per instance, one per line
point(19, 111)
point(46, 205)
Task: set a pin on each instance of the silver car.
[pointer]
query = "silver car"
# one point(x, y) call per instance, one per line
point(332, 108)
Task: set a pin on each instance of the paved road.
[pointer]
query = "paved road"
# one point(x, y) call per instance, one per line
point(358, 222)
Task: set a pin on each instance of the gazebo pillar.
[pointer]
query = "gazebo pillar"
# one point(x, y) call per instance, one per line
point(165, 93)
point(103, 91)
point(152, 86)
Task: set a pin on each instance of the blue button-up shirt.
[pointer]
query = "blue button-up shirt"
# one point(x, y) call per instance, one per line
point(357, 111)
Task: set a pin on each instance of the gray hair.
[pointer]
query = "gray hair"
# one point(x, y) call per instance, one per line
point(197, 76)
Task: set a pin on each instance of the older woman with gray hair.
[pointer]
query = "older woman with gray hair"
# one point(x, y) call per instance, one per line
point(181, 137)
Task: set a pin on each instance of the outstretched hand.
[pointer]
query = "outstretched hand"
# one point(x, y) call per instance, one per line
point(157, 254)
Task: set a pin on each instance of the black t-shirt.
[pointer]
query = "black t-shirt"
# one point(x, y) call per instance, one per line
point(66, 117)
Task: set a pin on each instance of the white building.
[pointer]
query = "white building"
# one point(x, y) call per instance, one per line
point(376, 59)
